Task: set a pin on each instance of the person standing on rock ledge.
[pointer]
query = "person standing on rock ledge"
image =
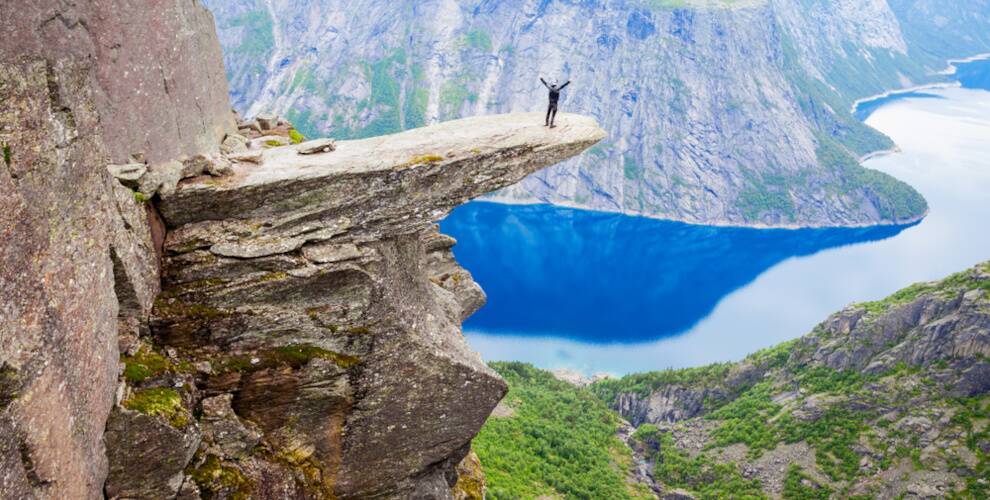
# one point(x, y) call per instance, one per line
point(554, 97)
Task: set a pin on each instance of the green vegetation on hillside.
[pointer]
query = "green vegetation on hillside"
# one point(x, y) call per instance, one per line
point(478, 40)
point(769, 193)
point(560, 440)
point(895, 200)
point(645, 383)
point(859, 432)
point(700, 473)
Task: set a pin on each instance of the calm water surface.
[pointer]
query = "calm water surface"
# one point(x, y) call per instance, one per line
point(602, 292)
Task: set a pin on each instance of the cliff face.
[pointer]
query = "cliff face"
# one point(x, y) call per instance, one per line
point(306, 342)
point(314, 294)
point(715, 114)
point(76, 251)
point(887, 399)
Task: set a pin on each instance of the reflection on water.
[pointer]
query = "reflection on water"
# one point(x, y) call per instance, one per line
point(601, 292)
point(603, 278)
point(865, 109)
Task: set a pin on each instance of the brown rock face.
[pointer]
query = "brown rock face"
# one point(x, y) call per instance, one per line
point(83, 83)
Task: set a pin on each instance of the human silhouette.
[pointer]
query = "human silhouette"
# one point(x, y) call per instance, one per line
point(554, 97)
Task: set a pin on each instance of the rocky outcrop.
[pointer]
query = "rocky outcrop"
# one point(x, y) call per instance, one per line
point(312, 294)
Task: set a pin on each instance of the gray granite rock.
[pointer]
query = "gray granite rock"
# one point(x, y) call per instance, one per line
point(325, 277)
point(147, 455)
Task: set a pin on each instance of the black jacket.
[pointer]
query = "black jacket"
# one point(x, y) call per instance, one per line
point(554, 91)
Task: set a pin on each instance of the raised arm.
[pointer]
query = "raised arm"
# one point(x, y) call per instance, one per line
point(544, 82)
point(564, 85)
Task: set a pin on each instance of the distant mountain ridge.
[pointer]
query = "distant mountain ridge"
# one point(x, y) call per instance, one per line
point(718, 112)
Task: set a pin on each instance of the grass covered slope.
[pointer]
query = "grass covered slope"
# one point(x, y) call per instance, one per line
point(886, 399)
point(552, 439)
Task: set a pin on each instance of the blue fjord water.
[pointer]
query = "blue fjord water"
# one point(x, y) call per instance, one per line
point(599, 292)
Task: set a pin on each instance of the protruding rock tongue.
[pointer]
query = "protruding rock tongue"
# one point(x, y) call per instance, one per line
point(328, 306)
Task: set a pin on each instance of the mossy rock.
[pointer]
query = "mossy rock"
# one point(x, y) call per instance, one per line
point(146, 363)
point(294, 356)
point(216, 478)
point(161, 402)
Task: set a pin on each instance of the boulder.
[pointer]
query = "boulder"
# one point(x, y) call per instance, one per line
point(147, 455)
point(128, 174)
point(161, 178)
point(234, 143)
point(267, 122)
point(317, 146)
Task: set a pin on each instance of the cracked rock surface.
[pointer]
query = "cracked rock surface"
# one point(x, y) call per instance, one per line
point(335, 260)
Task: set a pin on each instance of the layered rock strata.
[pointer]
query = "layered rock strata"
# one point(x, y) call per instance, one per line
point(313, 295)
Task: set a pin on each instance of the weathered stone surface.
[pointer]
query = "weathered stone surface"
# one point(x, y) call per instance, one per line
point(146, 455)
point(58, 312)
point(85, 85)
point(386, 178)
point(234, 143)
point(129, 173)
point(222, 427)
point(247, 156)
point(161, 178)
point(323, 280)
point(317, 146)
point(163, 83)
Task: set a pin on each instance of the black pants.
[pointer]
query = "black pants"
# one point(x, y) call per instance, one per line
point(551, 113)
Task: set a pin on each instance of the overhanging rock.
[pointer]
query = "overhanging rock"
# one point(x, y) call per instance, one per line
point(327, 305)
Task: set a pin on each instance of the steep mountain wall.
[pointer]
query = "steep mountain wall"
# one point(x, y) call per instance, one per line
point(716, 114)
point(82, 84)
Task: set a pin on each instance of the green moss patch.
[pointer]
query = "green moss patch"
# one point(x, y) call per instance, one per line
point(9, 385)
point(215, 478)
point(171, 308)
point(146, 363)
point(293, 356)
point(296, 137)
point(160, 402)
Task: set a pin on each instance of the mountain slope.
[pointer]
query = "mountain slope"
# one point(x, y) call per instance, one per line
point(889, 399)
point(717, 113)
point(882, 399)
